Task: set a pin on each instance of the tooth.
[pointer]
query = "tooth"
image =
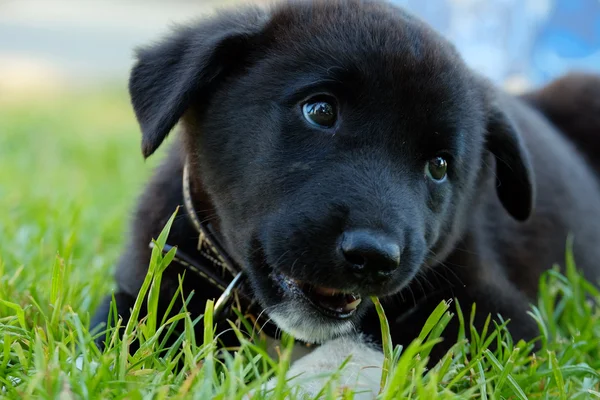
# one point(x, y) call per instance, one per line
point(353, 305)
point(351, 297)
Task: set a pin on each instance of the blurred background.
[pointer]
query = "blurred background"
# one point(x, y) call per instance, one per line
point(70, 160)
point(48, 43)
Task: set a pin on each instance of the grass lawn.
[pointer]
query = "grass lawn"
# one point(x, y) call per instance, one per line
point(70, 168)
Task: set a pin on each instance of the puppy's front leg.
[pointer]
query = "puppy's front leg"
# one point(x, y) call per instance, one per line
point(362, 373)
point(124, 303)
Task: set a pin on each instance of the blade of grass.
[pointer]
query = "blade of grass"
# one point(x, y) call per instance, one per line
point(511, 381)
point(558, 377)
point(386, 343)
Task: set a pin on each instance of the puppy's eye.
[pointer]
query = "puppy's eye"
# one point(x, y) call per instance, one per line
point(436, 169)
point(320, 112)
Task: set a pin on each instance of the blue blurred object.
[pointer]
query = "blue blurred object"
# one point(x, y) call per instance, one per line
point(525, 41)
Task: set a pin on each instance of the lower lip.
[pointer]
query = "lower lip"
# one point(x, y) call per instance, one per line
point(330, 313)
point(292, 286)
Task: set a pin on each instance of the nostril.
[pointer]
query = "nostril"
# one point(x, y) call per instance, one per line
point(356, 259)
point(365, 250)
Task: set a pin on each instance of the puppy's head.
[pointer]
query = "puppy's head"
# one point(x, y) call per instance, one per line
point(341, 143)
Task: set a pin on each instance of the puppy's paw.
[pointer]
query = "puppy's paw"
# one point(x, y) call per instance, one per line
point(361, 374)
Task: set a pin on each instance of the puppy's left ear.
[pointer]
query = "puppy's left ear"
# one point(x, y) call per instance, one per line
point(186, 67)
point(514, 174)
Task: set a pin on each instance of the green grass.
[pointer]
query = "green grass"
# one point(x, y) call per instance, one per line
point(70, 168)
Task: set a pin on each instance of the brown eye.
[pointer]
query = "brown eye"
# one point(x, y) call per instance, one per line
point(436, 169)
point(320, 113)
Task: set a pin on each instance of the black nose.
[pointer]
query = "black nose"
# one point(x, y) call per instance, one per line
point(369, 252)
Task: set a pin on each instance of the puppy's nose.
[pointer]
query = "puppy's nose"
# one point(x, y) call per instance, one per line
point(368, 252)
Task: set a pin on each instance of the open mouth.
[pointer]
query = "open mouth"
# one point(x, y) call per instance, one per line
point(330, 302)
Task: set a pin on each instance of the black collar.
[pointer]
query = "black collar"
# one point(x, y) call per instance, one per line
point(216, 267)
point(212, 251)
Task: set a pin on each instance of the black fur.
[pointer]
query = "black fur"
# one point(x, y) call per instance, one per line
point(282, 191)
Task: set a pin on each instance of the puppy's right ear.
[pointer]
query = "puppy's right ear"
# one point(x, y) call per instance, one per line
point(186, 66)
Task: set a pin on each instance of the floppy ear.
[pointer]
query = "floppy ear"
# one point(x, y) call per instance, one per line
point(514, 175)
point(169, 75)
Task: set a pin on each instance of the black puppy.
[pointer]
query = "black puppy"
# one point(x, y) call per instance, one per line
point(342, 149)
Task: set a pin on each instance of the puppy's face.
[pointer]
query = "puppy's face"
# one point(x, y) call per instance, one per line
point(340, 143)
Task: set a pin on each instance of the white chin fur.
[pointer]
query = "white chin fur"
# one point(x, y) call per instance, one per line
point(298, 323)
point(311, 373)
